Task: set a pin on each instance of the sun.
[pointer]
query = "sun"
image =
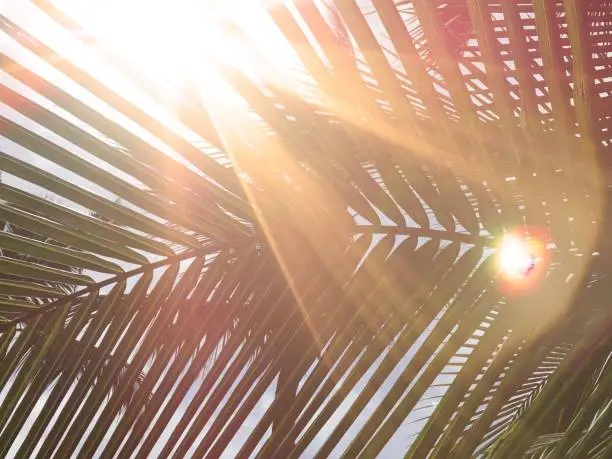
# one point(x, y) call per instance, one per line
point(166, 40)
point(171, 40)
point(516, 257)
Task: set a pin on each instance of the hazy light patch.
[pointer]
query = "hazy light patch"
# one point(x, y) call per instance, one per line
point(515, 257)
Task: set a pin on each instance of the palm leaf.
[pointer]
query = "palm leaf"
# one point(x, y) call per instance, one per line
point(308, 283)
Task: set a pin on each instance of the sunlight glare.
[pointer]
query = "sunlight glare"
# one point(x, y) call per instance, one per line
point(165, 40)
point(170, 39)
point(516, 258)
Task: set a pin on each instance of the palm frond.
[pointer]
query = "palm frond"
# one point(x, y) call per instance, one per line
point(308, 269)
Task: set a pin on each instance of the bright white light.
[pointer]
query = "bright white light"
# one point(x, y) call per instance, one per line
point(158, 36)
point(515, 257)
point(168, 39)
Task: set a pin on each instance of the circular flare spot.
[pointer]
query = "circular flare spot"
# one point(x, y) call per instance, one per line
point(522, 261)
point(516, 257)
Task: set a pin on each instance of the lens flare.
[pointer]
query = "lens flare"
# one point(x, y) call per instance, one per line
point(522, 261)
point(516, 257)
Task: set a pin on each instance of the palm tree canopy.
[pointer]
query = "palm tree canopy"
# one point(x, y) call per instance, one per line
point(339, 229)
